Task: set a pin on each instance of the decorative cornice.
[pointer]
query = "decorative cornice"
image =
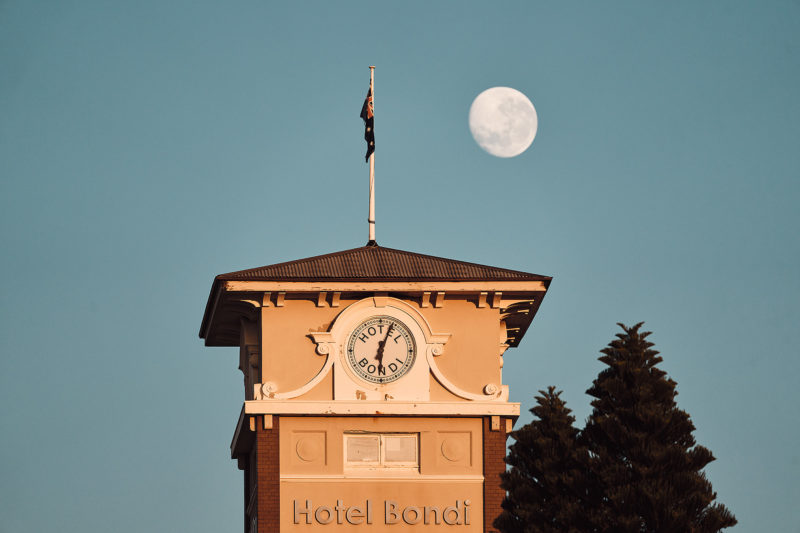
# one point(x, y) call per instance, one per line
point(370, 408)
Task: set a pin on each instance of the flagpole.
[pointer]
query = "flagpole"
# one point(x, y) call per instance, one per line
point(371, 218)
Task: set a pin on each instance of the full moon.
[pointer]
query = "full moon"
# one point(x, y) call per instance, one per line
point(503, 121)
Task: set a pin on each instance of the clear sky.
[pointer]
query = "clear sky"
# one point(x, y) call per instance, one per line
point(147, 146)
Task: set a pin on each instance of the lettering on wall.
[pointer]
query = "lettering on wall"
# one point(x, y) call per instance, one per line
point(391, 512)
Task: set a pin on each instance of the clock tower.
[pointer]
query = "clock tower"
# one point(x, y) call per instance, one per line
point(373, 391)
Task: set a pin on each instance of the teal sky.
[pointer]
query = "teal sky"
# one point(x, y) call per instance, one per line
point(146, 147)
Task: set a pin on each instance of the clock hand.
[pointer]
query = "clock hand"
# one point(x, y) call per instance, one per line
point(379, 355)
point(381, 346)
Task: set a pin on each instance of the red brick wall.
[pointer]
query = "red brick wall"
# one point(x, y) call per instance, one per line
point(494, 450)
point(267, 469)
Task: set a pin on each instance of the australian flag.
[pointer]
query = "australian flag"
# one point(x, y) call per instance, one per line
point(367, 112)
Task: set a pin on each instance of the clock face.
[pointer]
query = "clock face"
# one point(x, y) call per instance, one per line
point(381, 349)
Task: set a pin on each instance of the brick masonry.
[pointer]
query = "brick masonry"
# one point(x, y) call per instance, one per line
point(268, 474)
point(494, 452)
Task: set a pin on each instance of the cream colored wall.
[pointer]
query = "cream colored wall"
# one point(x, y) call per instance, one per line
point(322, 438)
point(450, 473)
point(288, 354)
point(400, 494)
point(470, 359)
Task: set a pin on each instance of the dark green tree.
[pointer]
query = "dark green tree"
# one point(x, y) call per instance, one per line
point(546, 485)
point(645, 466)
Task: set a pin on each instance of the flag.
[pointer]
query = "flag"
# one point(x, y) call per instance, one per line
point(367, 115)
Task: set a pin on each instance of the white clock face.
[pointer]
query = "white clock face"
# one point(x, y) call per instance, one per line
point(381, 349)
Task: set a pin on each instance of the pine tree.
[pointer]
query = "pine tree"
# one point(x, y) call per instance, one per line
point(645, 464)
point(545, 486)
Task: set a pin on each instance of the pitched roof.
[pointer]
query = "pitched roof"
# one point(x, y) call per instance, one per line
point(369, 263)
point(377, 263)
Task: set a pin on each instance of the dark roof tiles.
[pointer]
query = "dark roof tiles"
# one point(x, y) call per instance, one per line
point(378, 263)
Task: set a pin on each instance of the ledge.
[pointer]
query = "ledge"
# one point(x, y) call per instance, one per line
point(390, 408)
point(242, 437)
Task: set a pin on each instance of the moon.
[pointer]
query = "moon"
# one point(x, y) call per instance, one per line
point(503, 121)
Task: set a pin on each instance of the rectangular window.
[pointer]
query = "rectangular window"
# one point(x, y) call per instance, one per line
point(400, 449)
point(363, 450)
point(381, 450)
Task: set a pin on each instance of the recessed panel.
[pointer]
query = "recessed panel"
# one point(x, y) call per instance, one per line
point(454, 448)
point(308, 448)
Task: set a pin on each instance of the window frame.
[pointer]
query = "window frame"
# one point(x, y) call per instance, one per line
point(381, 464)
